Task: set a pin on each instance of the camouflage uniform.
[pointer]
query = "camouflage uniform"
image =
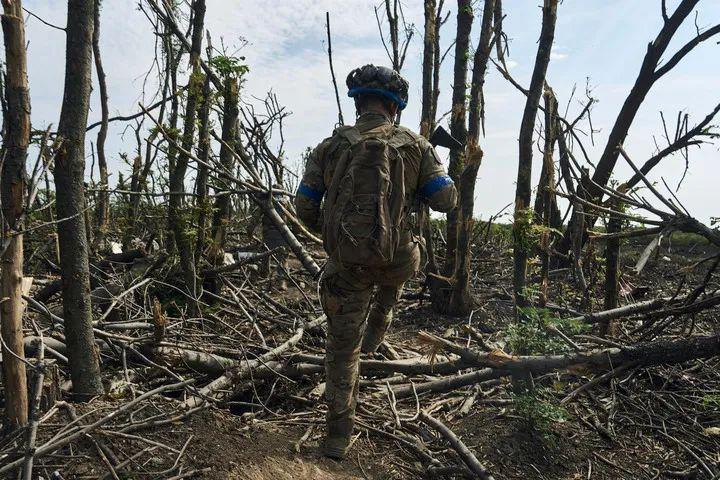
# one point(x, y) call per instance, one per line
point(346, 292)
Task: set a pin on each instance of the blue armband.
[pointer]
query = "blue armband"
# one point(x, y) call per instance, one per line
point(311, 193)
point(434, 185)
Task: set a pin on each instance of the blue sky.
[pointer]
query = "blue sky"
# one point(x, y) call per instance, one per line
point(601, 42)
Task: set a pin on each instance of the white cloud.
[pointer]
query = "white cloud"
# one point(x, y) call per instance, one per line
point(287, 54)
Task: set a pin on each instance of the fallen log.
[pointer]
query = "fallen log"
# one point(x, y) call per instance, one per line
point(213, 364)
point(214, 272)
point(449, 383)
point(123, 258)
point(198, 361)
point(644, 354)
point(295, 246)
point(653, 307)
point(298, 224)
point(406, 366)
point(54, 347)
point(217, 389)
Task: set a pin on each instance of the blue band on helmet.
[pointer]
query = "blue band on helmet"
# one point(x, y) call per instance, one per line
point(378, 91)
point(434, 185)
point(311, 193)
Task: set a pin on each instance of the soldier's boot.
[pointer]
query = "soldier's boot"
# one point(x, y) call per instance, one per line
point(378, 322)
point(337, 439)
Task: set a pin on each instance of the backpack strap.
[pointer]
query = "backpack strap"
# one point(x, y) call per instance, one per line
point(401, 139)
point(351, 134)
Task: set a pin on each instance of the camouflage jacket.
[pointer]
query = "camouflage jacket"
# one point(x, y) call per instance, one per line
point(425, 177)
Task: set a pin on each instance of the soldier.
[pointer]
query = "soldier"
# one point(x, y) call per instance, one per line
point(372, 176)
point(272, 238)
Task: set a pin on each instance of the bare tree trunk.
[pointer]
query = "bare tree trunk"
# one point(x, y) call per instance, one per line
point(458, 119)
point(169, 82)
point(650, 72)
point(103, 205)
point(177, 214)
point(392, 19)
point(461, 301)
point(173, 118)
point(69, 175)
point(643, 83)
point(203, 172)
point(341, 120)
point(436, 64)
point(523, 220)
point(546, 205)
point(612, 264)
point(12, 183)
point(427, 119)
point(227, 160)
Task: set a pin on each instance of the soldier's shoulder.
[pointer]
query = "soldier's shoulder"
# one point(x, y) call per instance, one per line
point(411, 137)
point(406, 132)
point(408, 137)
point(331, 142)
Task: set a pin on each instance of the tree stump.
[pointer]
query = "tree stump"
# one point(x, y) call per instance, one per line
point(51, 391)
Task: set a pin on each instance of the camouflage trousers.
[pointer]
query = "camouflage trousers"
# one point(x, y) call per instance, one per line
point(346, 295)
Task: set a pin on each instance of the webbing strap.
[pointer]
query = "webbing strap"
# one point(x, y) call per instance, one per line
point(352, 135)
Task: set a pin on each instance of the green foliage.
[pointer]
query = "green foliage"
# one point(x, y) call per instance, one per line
point(524, 232)
point(533, 337)
point(538, 409)
point(197, 79)
point(172, 133)
point(711, 401)
point(687, 239)
point(229, 66)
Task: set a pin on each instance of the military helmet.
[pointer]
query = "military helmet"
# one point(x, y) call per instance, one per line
point(382, 81)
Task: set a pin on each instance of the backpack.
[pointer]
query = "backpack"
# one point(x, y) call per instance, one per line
point(365, 205)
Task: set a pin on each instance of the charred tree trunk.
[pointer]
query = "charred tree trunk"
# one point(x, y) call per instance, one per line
point(103, 199)
point(69, 175)
point(523, 220)
point(177, 214)
point(16, 138)
point(461, 301)
point(458, 127)
point(227, 160)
